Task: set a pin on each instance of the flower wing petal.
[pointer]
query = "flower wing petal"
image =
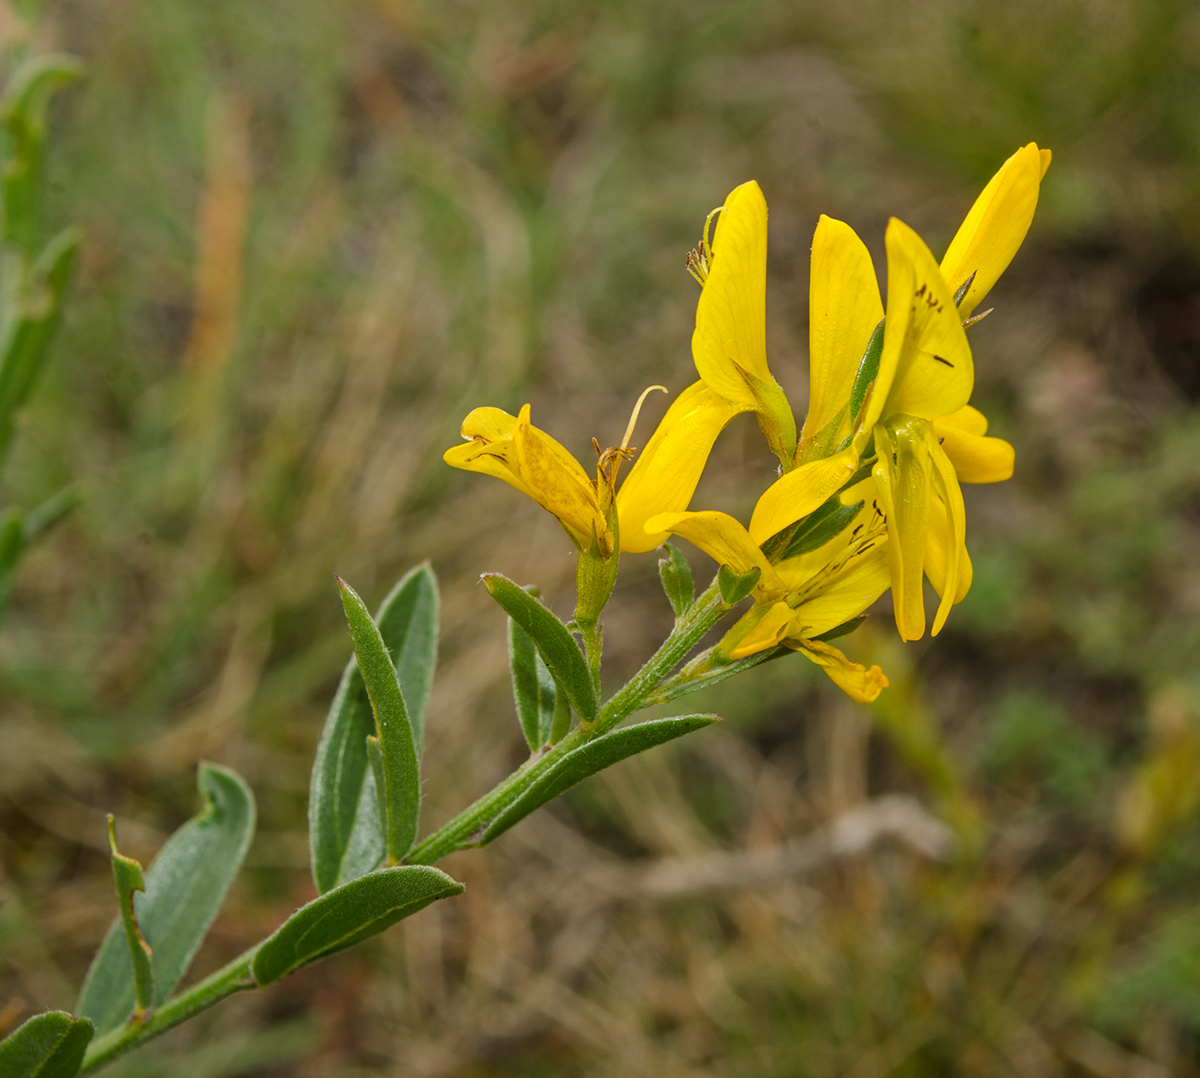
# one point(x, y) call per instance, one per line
point(725, 540)
point(557, 481)
point(798, 493)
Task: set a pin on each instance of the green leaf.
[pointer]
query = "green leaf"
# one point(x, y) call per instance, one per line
point(401, 768)
point(49, 1045)
point(347, 914)
point(345, 831)
point(553, 641)
point(595, 756)
point(676, 577)
point(185, 886)
point(735, 587)
point(127, 875)
point(533, 687)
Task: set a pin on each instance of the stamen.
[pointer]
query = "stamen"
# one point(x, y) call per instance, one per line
point(636, 409)
point(700, 258)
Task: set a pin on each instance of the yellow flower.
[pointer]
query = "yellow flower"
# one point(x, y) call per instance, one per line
point(729, 343)
point(801, 598)
point(905, 382)
point(663, 478)
point(513, 449)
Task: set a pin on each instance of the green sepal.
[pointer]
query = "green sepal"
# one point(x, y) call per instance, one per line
point(345, 829)
point(775, 417)
point(49, 1045)
point(127, 876)
point(868, 370)
point(533, 687)
point(676, 576)
point(348, 914)
point(589, 758)
point(397, 745)
point(809, 533)
point(553, 641)
point(185, 886)
point(734, 587)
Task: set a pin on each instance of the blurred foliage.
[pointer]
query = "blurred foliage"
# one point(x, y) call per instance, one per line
point(317, 234)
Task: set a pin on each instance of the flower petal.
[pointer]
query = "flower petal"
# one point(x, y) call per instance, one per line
point(945, 486)
point(798, 493)
point(490, 450)
point(854, 679)
point(976, 459)
point(937, 548)
point(723, 539)
point(926, 368)
point(864, 578)
point(769, 631)
point(995, 227)
point(902, 477)
point(844, 308)
point(731, 316)
point(557, 481)
point(666, 472)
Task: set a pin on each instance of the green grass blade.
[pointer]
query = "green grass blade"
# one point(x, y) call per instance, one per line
point(348, 914)
point(185, 886)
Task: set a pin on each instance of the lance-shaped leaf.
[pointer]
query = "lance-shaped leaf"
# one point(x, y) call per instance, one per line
point(185, 886)
point(676, 577)
point(49, 1045)
point(347, 914)
point(594, 756)
point(533, 687)
point(401, 800)
point(127, 875)
point(344, 826)
point(553, 640)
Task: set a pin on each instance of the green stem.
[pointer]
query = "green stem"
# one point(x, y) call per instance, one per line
point(459, 833)
point(234, 977)
point(689, 630)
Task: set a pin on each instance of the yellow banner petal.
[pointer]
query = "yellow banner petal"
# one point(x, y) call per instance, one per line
point(996, 226)
point(854, 679)
point(731, 316)
point(843, 309)
point(723, 539)
point(798, 493)
point(666, 472)
point(976, 459)
point(926, 369)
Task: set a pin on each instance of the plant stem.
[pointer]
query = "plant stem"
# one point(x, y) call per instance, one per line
point(457, 834)
point(234, 977)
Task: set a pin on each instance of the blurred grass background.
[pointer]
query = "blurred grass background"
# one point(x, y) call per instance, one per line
point(318, 234)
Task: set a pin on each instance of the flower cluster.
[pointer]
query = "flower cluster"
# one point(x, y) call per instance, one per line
point(869, 493)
